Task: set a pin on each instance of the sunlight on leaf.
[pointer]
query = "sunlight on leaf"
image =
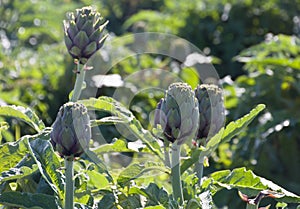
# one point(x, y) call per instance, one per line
point(117, 109)
point(24, 114)
point(248, 183)
point(48, 164)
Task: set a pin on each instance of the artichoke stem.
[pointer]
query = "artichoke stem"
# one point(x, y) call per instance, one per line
point(69, 186)
point(167, 154)
point(175, 172)
point(78, 83)
point(199, 169)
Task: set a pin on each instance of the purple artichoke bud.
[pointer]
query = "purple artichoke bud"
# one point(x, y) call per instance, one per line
point(84, 33)
point(211, 109)
point(178, 113)
point(71, 130)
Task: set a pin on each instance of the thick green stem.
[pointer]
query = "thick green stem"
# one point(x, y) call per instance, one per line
point(175, 172)
point(69, 187)
point(78, 83)
point(167, 154)
point(199, 169)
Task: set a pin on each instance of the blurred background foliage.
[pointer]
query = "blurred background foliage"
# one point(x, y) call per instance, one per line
point(254, 45)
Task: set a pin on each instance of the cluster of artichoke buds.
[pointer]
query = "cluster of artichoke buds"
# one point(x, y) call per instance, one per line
point(71, 132)
point(178, 113)
point(186, 114)
point(84, 33)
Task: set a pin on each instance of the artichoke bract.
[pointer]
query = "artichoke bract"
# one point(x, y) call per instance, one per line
point(211, 109)
point(84, 33)
point(178, 113)
point(71, 131)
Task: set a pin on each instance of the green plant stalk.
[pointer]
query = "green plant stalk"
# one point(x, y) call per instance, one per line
point(69, 187)
point(199, 169)
point(175, 173)
point(78, 83)
point(167, 153)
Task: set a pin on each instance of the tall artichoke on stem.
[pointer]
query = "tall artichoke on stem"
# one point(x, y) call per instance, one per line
point(70, 137)
point(212, 117)
point(177, 114)
point(84, 35)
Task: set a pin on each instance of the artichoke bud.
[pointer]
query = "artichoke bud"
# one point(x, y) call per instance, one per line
point(211, 111)
point(177, 113)
point(84, 33)
point(71, 131)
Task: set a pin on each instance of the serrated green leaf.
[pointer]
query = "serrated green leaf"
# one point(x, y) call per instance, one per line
point(248, 183)
point(26, 184)
point(117, 109)
point(107, 121)
point(22, 169)
point(11, 153)
point(107, 202)
point(29, 200)
point(97, 180)
point(130, 201)
point(233, 128)
point(117, 146)
point(136, 170)
point(108, 104)
point(224, 135)
point(156, 196)
point(100, 164)
point(136, 190)
point(24, 114)
point(48, 164)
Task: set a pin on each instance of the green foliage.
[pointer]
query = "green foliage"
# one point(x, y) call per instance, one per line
point(246, 182)
point(136, 170)
point(95, 186)
point(28, 200)
point(24, 114)
point(217, 26)
point(273, 78)
point(133, 128)
point(48, 164)
point(126, 165)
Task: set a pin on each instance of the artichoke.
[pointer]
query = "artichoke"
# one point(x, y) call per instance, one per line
point(71, 130)
point(178, 113)
point(211, 109)
point(84, 33)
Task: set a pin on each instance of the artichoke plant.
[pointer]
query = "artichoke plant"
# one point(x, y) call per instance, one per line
point(71, 130)
point(211, 110)
point(178, 113)
point(84, 33)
